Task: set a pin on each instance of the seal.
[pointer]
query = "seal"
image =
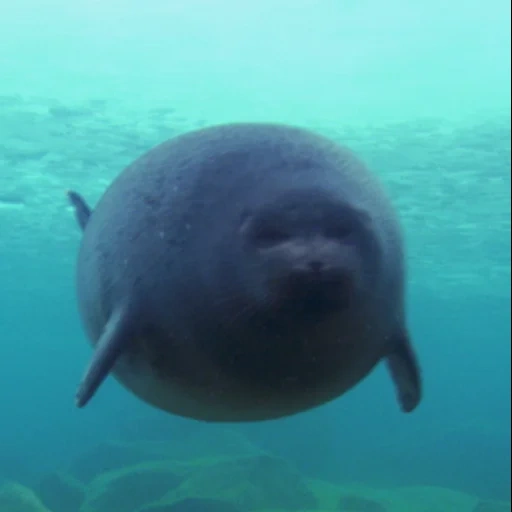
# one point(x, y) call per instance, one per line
point(243, 272)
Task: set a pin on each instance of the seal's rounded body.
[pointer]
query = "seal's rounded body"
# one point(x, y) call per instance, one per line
point(243, 272)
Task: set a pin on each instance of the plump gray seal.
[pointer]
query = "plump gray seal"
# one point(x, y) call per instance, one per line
point(243, 272)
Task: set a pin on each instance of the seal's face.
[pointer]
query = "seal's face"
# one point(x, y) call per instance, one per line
point(314, 253)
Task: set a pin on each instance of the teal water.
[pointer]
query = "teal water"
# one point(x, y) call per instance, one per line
point(420, 90)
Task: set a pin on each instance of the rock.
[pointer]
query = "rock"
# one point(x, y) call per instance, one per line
point(61, 492)
point(492, 506)
point(194, 505)
point(18, 498)
point(200, 443)
point(327, 494)
point(248, 482)
point(105, 457)
point(128, 489)
point(252, 483)
point(355, 503)
point(360, 498)
point(434, 499)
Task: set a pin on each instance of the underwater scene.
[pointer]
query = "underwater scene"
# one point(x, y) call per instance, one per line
point(301, 301)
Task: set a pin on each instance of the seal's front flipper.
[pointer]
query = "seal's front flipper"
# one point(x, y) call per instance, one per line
point(404, 369)
point(82, 209)
point(117, 334)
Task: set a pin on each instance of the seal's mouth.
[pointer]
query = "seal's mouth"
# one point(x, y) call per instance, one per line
point(315, 291)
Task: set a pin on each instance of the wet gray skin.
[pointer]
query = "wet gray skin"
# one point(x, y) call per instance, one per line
point(243, 272)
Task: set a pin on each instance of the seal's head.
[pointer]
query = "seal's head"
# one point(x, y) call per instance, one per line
point(307, 253)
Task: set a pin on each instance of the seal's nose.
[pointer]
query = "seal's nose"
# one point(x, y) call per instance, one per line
point(318, 271)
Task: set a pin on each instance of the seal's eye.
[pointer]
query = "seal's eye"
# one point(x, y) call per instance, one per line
point(266, 236)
